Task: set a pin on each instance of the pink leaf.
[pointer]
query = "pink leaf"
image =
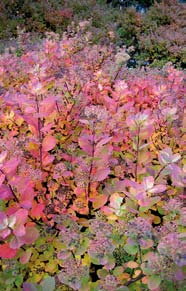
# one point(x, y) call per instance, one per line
point(10, 166)
point(103, 141)
point(47, 159)
point(16, 242)
point(5, 192)
point(29, 287)
point(100, 175)
point(86, 143)
point(21, 216)
point(116, 201)
point(167, 157)
point(31, 235)
point(47, 106)
point(144, 202)
point(148, 182)
point(19, 230)
point(49, 142)
point(26, 204)
point(154, 282)
point(2, 178)
point(3, 156)
point(26, 256)
point(107, 210)
point(158, 189)
point(6, 252)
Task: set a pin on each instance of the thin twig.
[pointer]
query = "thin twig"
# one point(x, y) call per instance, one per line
point(137, 155)
point(40, 136)
point(133, 280)
point(10, 187)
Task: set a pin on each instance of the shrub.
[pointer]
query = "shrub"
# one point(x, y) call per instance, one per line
point(158, 35)
point(92, 171)
point(163, 37)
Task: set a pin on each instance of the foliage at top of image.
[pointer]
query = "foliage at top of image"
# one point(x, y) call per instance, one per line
point(158, 35)
point(156, 30)
point(92, 170)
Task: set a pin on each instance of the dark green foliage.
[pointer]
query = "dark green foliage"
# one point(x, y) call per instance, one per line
point(121, 256)
point(158, 36)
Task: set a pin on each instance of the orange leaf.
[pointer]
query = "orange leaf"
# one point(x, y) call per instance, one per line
point(49, 142)
point(99, 201)
point(131, 265)
point(123, 276)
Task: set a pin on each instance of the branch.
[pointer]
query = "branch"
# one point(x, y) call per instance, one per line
point(10, 187)
point(158, 174)
point(137, 155)
point(40, 135)
point(133, 280)
point(90, 172)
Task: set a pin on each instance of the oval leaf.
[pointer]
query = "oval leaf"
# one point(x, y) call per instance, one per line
point(48, 284)
point(99, 201)
point(49, 142)
point(154, 282)
point(25, 256)
point(29, 287)
point(6, 252)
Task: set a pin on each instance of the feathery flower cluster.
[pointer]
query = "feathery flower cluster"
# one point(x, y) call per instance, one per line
point(138, 228)
point(96, 113)
point(173, 205)
point(98, 226)
point(100, 248)
point(70, 238)
point(110, 283)
point(173, 247)
point(72, 274)
point(158, 264)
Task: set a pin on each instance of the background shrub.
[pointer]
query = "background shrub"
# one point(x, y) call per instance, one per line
point(158, 36)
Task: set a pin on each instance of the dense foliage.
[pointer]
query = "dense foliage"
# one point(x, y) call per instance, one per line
point(156, 29)
point(92, 170)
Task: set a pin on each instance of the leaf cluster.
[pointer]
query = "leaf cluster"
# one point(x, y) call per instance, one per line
point(92, 170)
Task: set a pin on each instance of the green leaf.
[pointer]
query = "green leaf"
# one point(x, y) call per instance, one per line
point(154, 282)
point(19, 280)
point(131, 249)
point(124, 288)
point(48, 284)
point(102, 273)
point(118, 271)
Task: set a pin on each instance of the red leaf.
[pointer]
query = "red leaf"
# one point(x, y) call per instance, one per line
point(6, 252)
point(37, 210)
point(49, 142)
